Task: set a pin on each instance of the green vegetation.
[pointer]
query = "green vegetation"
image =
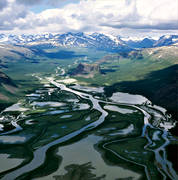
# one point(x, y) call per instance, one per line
point(140, 156)
point(150, 72)
point(159, 86)
point(51, 113)
point(130, 67)
point(20, 63)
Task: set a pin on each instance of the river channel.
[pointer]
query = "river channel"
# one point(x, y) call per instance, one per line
point(72, 132)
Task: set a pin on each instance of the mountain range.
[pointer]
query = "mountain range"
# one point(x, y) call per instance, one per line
point(144, 66)
point(98, 41)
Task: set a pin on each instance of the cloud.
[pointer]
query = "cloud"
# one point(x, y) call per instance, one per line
point(3, 3)
point(146, 14)
point(29, 2)
point(51, 3)
point(10, 13)
point(92, 15)
point(60, 3)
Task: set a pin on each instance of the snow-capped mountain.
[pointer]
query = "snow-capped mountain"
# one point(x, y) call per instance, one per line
point(166, 40)
point(149, 42)
point(95, 40)
point(143, 43)
point(20, 39)
point(98, 41)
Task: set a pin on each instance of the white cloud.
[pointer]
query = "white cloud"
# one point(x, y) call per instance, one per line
point(10, 13)
point(117, 16)
point(3, 3)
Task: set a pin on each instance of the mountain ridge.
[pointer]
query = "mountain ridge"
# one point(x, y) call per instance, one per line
point(99, 41)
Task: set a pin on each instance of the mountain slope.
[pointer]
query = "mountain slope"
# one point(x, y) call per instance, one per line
point(161, 87)
point(7, 87)
point(145, 43)
point(151, 72)
point(166, 40)
point(85, 70)
point(97, 41)
point(134, 65)
point(12, 53)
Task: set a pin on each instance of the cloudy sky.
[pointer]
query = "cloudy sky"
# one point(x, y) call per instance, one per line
point(119, 17)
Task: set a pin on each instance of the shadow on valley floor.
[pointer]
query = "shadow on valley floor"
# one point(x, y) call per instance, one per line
point(63, 55)
point(161, 87)
point(79, 172)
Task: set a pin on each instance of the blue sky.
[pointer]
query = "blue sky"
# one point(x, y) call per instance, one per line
point(46, 4)
point(118, 17)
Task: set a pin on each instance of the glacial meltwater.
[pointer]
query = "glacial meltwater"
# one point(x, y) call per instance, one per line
point(74, 132)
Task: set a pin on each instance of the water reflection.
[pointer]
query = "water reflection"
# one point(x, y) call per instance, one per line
point(127, 126)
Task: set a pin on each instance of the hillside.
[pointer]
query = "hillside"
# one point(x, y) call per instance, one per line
point(151, 72)
point(85, 70)
point(4, 79)
point(8, 89)
point(13, 53)
point(134, 65)
point(161, 87)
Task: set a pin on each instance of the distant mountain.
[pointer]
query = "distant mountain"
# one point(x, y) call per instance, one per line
point(149, 42)
point(166, 40)
point(168, 53)
point(23, 39)
point(95, 40)
point(99, 41)
point(145, 43)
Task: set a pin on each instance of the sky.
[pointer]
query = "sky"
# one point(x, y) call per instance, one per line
point(116, 17)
